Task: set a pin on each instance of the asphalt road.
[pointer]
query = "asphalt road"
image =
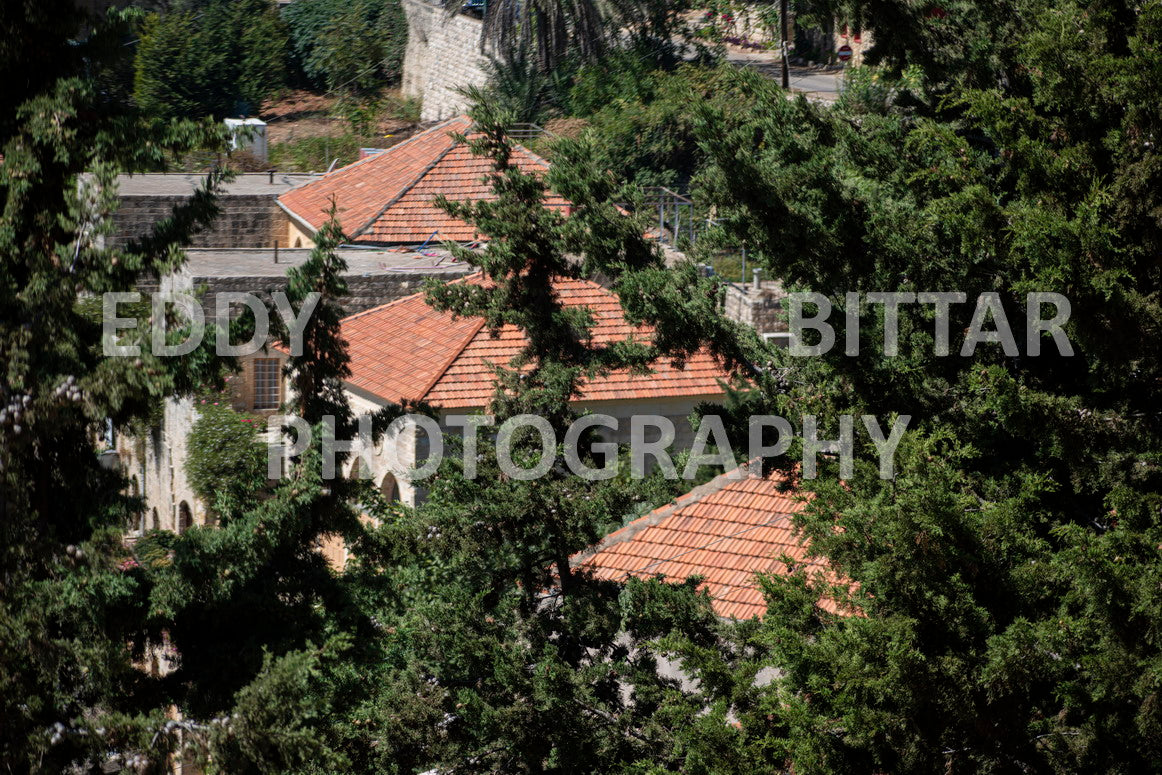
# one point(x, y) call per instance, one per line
point(816, 83)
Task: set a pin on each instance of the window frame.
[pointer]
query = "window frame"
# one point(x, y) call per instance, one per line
point(257, 392)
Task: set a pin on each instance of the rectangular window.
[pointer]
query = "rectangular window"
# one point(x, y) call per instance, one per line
point(266, 383)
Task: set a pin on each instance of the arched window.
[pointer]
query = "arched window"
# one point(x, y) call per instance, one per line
point(389, 488)
point(185, 517)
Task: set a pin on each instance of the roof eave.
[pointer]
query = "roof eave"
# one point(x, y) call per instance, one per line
point(300, 220)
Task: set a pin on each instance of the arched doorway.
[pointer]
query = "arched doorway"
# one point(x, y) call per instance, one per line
point(138, 519)
point(185, 518)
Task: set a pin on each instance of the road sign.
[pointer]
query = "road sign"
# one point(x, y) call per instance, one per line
point(843, 52)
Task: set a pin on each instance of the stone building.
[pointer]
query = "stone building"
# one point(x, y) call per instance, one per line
point(386, 210)
point(758, 304)
point(155, 464)
point(407, 351)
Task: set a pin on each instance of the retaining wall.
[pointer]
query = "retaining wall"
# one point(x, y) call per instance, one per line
point(442, 55)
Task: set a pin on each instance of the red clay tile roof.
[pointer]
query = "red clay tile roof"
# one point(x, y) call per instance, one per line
point(407, 350)
point(725, 531)
point(388, 197)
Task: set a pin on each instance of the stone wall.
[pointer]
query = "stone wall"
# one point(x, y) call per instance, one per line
point(246, 221)
point(757, 306)
point(364, 291)
point(156, 466)
point(859, 40)
point(443, 54)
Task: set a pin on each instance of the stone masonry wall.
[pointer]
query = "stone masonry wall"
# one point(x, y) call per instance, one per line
point(364, 292)
point(246, 221)
point(848, 36)
point(442, 55)
point(759, 308)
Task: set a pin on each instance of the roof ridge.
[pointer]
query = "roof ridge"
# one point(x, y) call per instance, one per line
point(363, 162)
point(378, 307)
point(390, 149)
point(400, 194)
point(432, 165)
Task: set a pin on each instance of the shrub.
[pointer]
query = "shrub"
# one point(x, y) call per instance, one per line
point(225, 462)
point(315, 154)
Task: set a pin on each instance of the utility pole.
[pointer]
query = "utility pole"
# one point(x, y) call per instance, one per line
point(783, 43)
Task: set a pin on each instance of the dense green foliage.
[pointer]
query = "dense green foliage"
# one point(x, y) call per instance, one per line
point(213, 58)
point(495, 636)
point(536, 49)
point(68, 607)
point(224, 459)
point(1007, 598)
point(1008, 575)
point(348, 46)
point(223, 58)
point(643, 119)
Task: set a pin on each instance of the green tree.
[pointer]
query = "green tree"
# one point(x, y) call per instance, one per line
point(215, 58)
point(252, 607)
point(69, 692)
point(250, 611)
point(493, 636)
point(1007, 576)
point(224, 458)
point(348, 47)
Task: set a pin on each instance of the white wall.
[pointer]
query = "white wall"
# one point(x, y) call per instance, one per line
point(158, 463)
point(397, 455)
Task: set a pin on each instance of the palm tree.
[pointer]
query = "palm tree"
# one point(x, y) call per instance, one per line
point(549, 30)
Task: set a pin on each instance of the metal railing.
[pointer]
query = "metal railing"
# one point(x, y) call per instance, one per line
point(677, 216)
point(521, 132)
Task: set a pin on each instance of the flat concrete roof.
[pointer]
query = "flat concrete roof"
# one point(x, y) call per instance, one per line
point(259, 262)
point(184, 184)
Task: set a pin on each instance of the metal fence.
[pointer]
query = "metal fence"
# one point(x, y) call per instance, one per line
point(528, 132)
point(677, 215)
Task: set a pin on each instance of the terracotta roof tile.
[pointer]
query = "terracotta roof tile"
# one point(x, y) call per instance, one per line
point(726, 531)
point(389, 197)
point(407, 350)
